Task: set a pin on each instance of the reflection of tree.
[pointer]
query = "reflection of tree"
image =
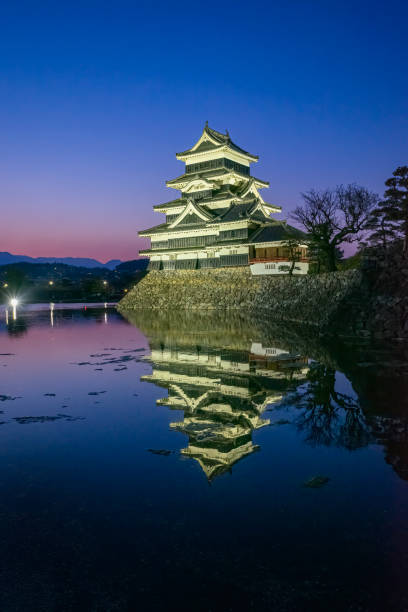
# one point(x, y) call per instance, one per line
point(328, 416)
point(392, 433)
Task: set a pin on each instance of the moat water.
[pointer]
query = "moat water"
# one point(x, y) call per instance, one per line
point(198, 462)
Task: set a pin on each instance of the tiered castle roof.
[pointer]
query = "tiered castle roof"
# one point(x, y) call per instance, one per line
point(219, 193)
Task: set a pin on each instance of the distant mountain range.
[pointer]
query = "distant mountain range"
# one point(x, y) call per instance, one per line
point(83, 262)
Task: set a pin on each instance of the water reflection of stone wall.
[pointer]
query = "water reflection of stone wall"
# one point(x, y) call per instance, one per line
point(223, 371)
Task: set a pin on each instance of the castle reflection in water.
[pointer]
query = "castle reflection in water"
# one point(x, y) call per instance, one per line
point(221, 378)
point(223, 394)
point(228, 374)
point(225, 375)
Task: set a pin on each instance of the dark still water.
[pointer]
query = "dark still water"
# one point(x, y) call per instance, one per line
point(200, 463)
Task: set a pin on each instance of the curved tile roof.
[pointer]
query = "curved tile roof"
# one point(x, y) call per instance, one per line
point(205, 174)
point(220, 141)
point(277, 230)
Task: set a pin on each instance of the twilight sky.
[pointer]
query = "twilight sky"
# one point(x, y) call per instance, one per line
point(96, 98)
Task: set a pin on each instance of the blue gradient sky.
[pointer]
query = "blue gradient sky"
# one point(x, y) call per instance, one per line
point(95, 99)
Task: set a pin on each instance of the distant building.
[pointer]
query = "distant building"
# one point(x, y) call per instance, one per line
point(221, 219)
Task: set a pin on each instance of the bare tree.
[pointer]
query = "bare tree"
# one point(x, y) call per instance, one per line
point(335, 216)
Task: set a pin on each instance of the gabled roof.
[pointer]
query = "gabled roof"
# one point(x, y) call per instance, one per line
point(199, 181)
point(164, 228)
point(221, 194)
point(248, 188)
point(205, 174)
point(193, 209)
point(248, 209)
point(173, 203)
point(155, 229)
point(212, 139)
point(276, 231)
point(236, 212)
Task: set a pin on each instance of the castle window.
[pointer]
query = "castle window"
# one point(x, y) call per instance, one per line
point(218, 163)
point(231, 234)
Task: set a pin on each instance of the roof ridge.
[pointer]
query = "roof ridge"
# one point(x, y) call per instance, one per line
point(216, 133)
point(197, 205)
point(257, 231)
point(221, 140)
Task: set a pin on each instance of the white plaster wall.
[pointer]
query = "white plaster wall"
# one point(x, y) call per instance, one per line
point(238, 250)
point(195, 158)
point(270, 268)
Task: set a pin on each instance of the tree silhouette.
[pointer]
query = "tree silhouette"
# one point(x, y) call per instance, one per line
point(332, 217)
point(395, 205)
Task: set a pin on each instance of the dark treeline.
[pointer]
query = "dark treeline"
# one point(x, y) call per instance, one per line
point(60, 282)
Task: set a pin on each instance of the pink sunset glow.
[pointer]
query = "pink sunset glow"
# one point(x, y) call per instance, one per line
point(92, 118)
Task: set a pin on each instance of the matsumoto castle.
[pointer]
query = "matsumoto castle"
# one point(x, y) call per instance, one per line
point(220, 219)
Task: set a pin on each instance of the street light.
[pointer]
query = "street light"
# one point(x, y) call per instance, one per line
point(51, 282)
point(5, 285)
point(13, 304)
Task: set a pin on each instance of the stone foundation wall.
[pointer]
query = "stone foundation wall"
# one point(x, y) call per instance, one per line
point(314, 300)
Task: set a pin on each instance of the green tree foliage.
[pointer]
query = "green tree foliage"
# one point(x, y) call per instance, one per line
point(294, 254)
point(30, 282)
point(333, 217)
point(381, 227)
point(351, 263)
point(92, 286)
point(318, 261)
point(395, 205)
point(316, 257)
point(16, 279)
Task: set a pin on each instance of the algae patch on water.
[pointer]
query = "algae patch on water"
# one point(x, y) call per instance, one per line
point(316, 482)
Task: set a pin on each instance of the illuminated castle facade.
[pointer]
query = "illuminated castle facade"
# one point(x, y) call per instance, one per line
point(220, 219)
